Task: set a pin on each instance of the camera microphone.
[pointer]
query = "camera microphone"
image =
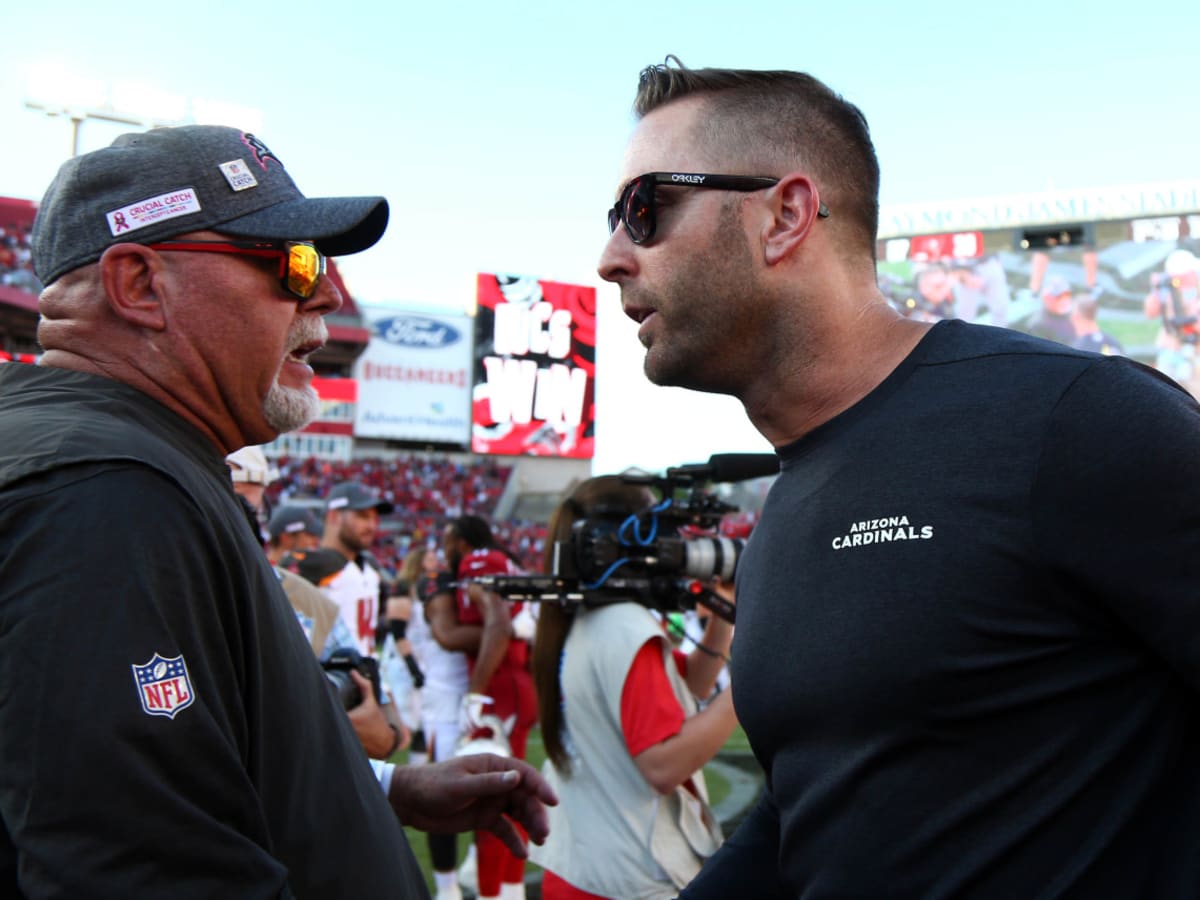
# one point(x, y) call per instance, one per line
point(729, 467)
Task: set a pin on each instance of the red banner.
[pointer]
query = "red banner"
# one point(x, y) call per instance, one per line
point(940, 247)
point(534, 368)
point(344, 390)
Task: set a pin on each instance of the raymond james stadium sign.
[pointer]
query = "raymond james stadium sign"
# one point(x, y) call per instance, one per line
point(1051, 207)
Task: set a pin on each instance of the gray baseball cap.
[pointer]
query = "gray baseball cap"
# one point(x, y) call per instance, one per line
point(293, 520)
point(151, 186)
point(352, 495)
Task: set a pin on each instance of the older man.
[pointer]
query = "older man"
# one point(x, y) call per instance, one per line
point(167, 731)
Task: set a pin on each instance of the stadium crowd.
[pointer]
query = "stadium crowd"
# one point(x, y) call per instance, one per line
point(16, 259)
point(426, 491)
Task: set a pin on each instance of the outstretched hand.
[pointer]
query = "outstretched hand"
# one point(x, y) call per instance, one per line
point(469, 793)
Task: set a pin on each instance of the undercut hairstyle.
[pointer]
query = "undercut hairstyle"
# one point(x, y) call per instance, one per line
point(763, 120)
point(609, 493)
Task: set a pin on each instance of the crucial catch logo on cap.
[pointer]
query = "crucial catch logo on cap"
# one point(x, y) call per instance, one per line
point(164, 687)
point(181, 202)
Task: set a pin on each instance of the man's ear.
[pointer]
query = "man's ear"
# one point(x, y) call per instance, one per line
point(133, 278)
point(795, 204)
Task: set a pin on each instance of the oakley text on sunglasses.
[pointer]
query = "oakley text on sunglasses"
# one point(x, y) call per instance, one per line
point(637, 210)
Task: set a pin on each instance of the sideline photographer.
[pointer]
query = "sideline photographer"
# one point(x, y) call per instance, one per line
point(633, 790)
point(353, 678)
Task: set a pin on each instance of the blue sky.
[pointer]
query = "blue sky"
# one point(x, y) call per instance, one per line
point(495, 131)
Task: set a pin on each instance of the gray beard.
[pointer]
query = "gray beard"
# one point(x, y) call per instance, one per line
point(287, 409)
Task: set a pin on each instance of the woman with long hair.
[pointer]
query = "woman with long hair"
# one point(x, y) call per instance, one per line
point(625, 738)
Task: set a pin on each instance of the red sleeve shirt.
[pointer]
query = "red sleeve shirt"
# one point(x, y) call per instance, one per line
point(649, 711)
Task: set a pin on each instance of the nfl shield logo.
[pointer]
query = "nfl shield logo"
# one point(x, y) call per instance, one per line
point(163, 686)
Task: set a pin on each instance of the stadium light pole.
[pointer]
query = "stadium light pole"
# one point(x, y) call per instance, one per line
point(60, 94)
point(77, 115)
point(204, 112)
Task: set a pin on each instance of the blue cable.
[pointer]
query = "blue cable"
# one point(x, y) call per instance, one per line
point(607, 572)
point(636, 521)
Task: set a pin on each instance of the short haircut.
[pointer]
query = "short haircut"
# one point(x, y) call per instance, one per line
point(771, 119)
point(474, 530)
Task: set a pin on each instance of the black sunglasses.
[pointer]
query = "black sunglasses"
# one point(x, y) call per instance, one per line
point(301, 265)
point(637, 210)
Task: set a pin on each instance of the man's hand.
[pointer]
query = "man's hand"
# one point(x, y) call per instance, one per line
point(473, 792)
point(377, 735)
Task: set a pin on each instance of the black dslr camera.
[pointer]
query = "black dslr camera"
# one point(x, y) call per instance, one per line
point(337, 668)
point(655, 557)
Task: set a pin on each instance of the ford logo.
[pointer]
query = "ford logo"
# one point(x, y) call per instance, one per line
point(417, 331)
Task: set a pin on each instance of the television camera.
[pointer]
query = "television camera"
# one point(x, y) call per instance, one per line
point(660, 557)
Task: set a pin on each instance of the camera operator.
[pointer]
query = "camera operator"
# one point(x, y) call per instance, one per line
point(621, 727)
point(377, 727)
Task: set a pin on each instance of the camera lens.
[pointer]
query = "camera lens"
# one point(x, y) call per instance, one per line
point(705, 557)
point(344, 688)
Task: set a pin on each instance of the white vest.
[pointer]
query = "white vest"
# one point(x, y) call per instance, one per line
point(612, 834)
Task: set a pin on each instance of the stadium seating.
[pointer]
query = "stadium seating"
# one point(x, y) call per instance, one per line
point(16, 260)
point(426, 491)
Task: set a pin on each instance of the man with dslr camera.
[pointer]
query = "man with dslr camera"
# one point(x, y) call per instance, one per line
point(353, 677)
